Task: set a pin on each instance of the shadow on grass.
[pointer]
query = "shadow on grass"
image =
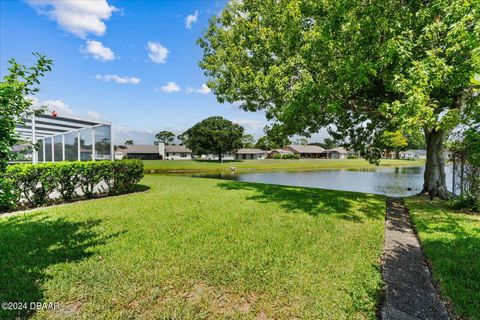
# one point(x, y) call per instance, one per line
point(351, 206)
point(29, 245)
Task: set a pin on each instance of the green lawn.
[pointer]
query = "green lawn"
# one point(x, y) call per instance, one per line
point(451, 241)
point(193, 248)
point(269, 164)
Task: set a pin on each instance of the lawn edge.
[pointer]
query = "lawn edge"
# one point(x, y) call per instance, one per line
point(436, 284)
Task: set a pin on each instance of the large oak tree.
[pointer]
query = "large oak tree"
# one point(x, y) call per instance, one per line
point(365, 67)
point(214, 135)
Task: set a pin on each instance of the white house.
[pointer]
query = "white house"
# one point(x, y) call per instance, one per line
point(307, 151)
point(413, 154)
point(248, 153)
point(174, 152)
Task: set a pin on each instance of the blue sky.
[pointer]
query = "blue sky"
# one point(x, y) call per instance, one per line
point(134, 63)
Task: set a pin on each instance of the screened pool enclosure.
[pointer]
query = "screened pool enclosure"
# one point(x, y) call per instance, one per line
point(67, 139)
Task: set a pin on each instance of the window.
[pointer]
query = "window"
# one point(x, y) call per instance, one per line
point(71, 146)
point(40, 150)
point(102, 142)
point(86, 144)
point(48, 149)
point(183, 155)
point(58, 148)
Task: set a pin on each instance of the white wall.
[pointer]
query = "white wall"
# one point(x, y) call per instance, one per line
point(178, 156)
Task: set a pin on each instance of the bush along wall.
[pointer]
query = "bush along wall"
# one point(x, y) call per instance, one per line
point(38, 185)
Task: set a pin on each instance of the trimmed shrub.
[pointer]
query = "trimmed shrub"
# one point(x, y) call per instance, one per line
point(277, 156)
point(123, 175)
point(352, 157)
point(36, 184)
point(291, 156)
point(68, 179)
point(91, 174)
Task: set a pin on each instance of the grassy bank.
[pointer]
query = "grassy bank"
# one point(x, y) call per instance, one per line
point(451, 241)
point(199, 248)
point(268, 164)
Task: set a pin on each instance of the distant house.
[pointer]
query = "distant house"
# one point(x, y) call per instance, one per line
point(307, 151)
point(225, 156)
point(139, 151)
point(281, 152)
point(174, 152)
point(337, 153)
point(413, 154)
point(244, 154)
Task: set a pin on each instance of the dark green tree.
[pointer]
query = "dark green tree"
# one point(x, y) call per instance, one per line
point(128, 142)
point(214, 135)
point(166, 137)
point(364, 67)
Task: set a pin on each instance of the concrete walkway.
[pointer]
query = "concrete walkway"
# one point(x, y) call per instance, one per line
point(409, 293)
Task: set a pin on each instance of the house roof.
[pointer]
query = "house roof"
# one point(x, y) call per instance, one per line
point(281, 151)
point(142, 148)
point(338, 149)
point(250, 151)
point(305, 149)
point(181, 149)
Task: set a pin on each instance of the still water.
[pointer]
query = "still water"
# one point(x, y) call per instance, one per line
point(392, 181)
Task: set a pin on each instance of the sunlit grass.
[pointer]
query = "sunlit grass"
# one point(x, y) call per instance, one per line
point(269, 164)
point(194, 248)
point(451, 241)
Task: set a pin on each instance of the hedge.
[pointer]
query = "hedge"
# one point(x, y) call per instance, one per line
point(41, 184)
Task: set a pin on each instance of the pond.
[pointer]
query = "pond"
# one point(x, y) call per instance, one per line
point(391, 181)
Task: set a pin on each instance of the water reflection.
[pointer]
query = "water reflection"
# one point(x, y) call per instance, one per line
point(392, 181)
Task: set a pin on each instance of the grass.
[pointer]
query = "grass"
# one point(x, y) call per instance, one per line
point(193, 248)
point(451, 241)
point(268, 164)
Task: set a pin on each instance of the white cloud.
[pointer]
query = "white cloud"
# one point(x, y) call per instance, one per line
point(58, 106)
point(156, 52)
point(117, 79)
point(94, 115)
point(191, 19)
point(75, 16)
point(203, 89)
point(169, 87)
point(250, 123)
point(98, 51)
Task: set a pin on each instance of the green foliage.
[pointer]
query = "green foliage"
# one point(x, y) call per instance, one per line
point(291, 156)
point(365, 67)
point(36, 183)
point(122, 176)
point(214, 135)
point(394, 141)
point(69, 176)
point(277, 156)
point(166, 137)
point(327, 143)
point(9, 195)
point(15, 89)
point(248, 141)
point(128, 142)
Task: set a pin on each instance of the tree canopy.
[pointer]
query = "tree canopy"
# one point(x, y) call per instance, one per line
point(166, 137)
point(214, 135)
point(366, 68)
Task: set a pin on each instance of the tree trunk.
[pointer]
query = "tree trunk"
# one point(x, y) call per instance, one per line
point(434, 178)
point(397, 154)
point(220, 157)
